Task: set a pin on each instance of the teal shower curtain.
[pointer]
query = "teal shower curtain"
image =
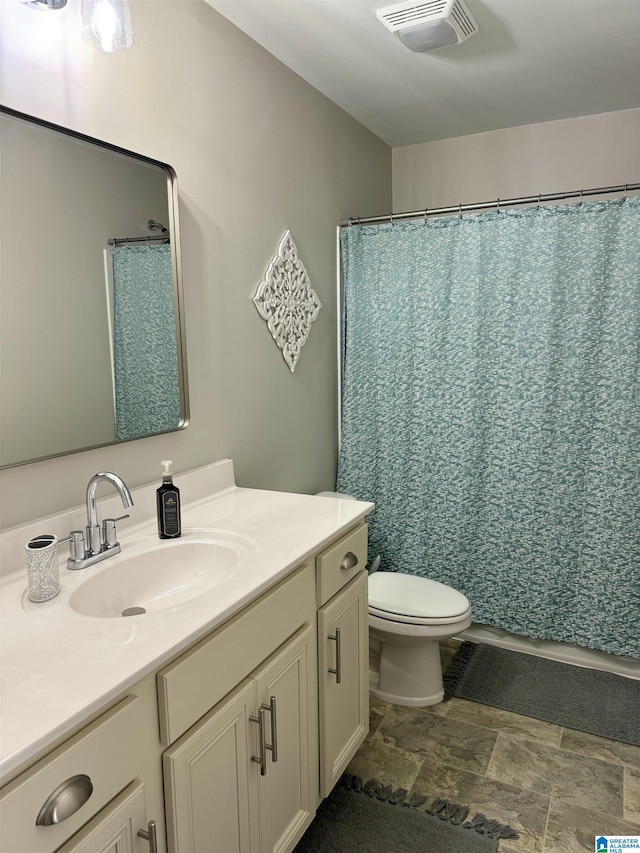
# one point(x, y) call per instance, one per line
point(145, 358)
point(491, 409)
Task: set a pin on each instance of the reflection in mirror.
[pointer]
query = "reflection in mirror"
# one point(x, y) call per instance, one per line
point(91, 326)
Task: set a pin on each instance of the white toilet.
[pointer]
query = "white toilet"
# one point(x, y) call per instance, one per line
point(408, 616)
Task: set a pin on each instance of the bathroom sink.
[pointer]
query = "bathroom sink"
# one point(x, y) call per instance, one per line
point(151, 574)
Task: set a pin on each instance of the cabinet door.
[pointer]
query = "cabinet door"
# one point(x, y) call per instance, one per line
point(343, 663)
point(211, 785)
point(287, 695)
point(115, 828)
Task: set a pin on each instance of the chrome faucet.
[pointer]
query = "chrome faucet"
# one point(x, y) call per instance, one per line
point(97, 543)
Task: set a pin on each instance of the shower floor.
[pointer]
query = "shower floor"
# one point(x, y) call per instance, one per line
point(557, 787)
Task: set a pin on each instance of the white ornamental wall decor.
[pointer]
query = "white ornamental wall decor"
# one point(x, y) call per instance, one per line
point(286, 300)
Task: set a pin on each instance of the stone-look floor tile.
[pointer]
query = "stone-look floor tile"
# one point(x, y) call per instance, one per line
point(376, 716)
point(503, 721)
point(438, 739)
point(592, 784)
point(441, 709)
point(524, 811)
point(632, 794)
point(567, 776)
point(572, 829)
point(379, 704)
point(390, 766)
point(600, 747)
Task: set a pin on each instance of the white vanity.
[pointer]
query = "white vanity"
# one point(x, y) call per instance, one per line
point(214, 724)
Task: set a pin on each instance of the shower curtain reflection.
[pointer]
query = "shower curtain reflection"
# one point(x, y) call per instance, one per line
point(145, 361)
point(491, 409)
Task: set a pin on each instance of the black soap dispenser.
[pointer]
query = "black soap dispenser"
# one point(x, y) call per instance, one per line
point(168, 503)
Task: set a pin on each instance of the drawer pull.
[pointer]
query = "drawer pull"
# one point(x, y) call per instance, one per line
point(273, 746)
point(338, 670)
point(349, 561)
point(67, 798)
point(261, 758)
point(150, 834)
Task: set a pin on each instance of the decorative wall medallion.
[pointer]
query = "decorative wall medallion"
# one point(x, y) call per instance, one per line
point(286, 300)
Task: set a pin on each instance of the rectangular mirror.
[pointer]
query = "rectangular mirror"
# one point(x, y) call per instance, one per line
point(92, 348)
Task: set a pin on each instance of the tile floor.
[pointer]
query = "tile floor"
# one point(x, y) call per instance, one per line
point(557, 787)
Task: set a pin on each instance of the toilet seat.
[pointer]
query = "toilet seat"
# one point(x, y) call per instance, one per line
point(414, 600)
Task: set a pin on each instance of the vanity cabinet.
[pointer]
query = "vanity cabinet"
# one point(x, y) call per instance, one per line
point(244, 776)
point(241, 778)
point(232, 745)
point(343, 654)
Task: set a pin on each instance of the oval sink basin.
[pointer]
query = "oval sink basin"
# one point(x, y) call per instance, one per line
point(152, 574)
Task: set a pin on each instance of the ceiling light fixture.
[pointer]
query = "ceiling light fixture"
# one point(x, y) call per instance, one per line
point(47, 4)
point(107, 23)
point(429, 25)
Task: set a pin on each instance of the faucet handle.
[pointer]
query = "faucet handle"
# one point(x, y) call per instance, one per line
point(76, 548)
point(109, 535)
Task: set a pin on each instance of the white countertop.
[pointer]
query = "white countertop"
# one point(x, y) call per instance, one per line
point(58, 666)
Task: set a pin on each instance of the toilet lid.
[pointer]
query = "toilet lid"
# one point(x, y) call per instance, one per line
point(402, 595)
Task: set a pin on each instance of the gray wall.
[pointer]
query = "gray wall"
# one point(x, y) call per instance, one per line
point(577, 153)
point(257, 151)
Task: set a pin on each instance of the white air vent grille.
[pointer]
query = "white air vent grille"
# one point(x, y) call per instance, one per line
point(463, 20)
point(411, 14)
point(407, 14)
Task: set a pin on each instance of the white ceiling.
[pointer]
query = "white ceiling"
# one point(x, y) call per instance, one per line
point(531, 61)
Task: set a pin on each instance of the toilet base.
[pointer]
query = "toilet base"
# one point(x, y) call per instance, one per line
point(408, 701)
point(410, 674)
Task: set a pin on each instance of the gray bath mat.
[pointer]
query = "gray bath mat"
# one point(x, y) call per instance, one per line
point(587, 700)
point(374, 819)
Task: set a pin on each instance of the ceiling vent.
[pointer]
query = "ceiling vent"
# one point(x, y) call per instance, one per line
point(429, 25)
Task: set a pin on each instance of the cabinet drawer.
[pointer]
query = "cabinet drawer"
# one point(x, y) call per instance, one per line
point(339, 564)
point(115, 829)
point(107, 751)
point(198, 680)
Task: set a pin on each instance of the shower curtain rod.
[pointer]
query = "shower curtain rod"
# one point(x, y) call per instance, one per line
point(488, 205)
point(122, 241)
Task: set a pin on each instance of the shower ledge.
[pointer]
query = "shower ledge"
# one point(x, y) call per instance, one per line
point(565, 652)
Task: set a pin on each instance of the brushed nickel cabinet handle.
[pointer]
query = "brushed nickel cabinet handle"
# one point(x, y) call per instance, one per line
point(349, 561)
point(67, 798)
point(261, 758)
point(338, 670)
point(150, 834)
point(273, 746)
